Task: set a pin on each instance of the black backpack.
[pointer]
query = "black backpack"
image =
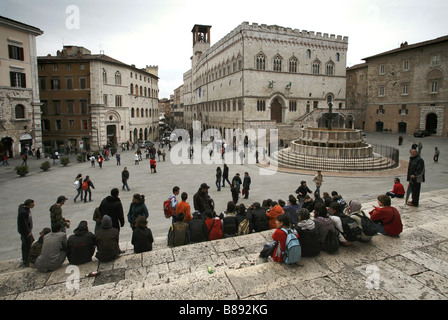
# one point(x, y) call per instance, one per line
point(331, 243)
point(351, 230)
point(369, 228)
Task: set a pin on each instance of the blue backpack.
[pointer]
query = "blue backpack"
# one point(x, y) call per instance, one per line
point(293, 250)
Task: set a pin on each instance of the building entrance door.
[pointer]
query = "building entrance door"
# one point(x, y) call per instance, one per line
point(276, 111)
point(431, 123)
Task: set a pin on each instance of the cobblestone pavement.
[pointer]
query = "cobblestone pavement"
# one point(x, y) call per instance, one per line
point(410, 267)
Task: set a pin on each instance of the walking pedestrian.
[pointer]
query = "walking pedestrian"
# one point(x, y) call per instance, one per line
point(78, 185)
point(125, 178)
point(118, 157)
point(436, 154)
point(225, 176)
point(86, 185)
point(218, 178)
point(25, 229)
point(318, 179)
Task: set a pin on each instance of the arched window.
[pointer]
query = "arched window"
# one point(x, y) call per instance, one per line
point(338, 56)
point(136, 90)
point(293, 65)
point(316, 67)
point(118, 78)
point(329, 69)
point(132, 88)
point(20, 111)
point(132, 112)
point(308, 53)
point(261, 62)
point(104, 76)
point(278, 63)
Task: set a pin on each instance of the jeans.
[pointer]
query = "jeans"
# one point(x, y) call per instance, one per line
point(79, 194)
point(125, 185)
point(218, 184)
point(85, 195)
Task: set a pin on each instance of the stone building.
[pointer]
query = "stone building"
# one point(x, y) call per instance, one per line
point(407, 89)
point(92, 100)
point(20, 123)
point(357, 94)
point(261, 76)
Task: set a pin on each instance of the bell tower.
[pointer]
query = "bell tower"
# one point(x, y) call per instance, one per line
point(201, 41)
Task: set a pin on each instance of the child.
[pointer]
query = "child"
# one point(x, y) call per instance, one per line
point(280, 236)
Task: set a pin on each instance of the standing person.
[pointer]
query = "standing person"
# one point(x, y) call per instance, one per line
point(136, 159)
point(436, 154)
point(125, 178)
point(218, 177)
point(78, 182)
point(153, 165)
point(56, 214)
point(201, 200)
point(184, 207)
point(100, 161)
point(86, 185)
point(318, 179)
point(237, 178)
point(25, 229)
point(225, 176)
point(415, 176)
point(53, 250)
point(419, 148)
point(235, 192)
point(112, 206)
point(387, 218)
point(81, 245)
point(397, 191)
point(92, 161)
point(118, 157)
point(246, 184)
point(136, 209)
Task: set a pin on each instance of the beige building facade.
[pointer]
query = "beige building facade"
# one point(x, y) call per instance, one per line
point(20, 122)
point(261, 76)
point(407, 89)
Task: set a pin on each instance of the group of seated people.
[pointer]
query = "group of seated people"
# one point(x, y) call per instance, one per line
point(311, 219)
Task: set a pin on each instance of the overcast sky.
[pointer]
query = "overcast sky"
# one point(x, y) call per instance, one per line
point(158, 32)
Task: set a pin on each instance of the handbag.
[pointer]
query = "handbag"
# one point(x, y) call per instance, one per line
point(268, 249)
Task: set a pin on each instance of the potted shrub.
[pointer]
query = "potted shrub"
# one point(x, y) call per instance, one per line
point(21, 170)
point(45, 165)
point(65, 161)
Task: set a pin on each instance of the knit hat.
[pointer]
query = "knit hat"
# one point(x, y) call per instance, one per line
point(355, 206)
point(106, 222)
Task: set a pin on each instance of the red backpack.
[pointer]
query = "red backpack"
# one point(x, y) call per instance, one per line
point(168, 210)
point(85, 185)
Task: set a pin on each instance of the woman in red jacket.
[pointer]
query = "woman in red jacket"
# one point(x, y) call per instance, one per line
point(214, 225)
point(388, 218)
point(280, 236)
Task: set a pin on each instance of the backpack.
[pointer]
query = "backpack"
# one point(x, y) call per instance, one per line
point(243, 227)
point(293, 250)
point(178, 235)
point(351, 230)
point(168, 210)
point(85, 185)
point(331, 242)
point(76, 184)
point(369, 228)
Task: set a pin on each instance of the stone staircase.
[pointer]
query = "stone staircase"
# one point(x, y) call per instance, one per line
point(412, 266)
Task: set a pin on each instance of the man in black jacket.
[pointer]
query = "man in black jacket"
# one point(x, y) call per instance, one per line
point(202, 200)
point(415, 176)
point(81, 245)
point(260, 221)
point(25, 228)
point(112, 206)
